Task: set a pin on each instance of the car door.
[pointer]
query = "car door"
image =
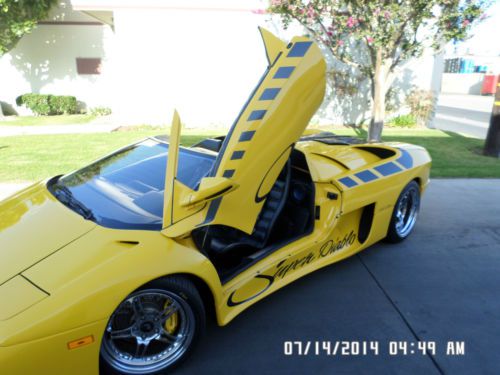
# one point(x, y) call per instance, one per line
point(257, 145)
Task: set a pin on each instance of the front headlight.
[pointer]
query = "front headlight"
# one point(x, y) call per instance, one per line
point(16, 295)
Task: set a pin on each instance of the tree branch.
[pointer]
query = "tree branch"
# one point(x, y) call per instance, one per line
point(318, 36)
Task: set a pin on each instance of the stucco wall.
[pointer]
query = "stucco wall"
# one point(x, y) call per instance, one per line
point(45, 60)
point(204, 63)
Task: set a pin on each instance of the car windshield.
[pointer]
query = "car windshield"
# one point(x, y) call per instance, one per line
point(125, 190)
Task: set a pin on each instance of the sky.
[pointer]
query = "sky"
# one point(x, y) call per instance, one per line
point(484, 40)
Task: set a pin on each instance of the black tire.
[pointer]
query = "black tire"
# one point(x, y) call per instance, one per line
point(395, 234)
point(190, 300)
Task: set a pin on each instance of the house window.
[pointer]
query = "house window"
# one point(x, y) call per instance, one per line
point(88, 65)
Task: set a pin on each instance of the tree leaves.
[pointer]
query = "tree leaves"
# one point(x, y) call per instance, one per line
point(400, 29)
point(373, 37)
point(19, 17)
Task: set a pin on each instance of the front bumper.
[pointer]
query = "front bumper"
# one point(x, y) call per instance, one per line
point(51, 355)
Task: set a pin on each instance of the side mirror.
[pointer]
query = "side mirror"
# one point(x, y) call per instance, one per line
point(210, 188)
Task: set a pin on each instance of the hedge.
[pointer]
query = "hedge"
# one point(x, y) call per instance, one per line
point(43, 105)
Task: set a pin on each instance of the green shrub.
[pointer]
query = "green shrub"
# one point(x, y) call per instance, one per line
point(66, 105)
point(403, 121)
point(100, 111)
point(38, 103)
point(44, 105)
point(422, 104)
point(19, 100)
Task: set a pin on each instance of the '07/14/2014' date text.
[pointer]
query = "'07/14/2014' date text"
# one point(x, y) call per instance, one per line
point(365, 348)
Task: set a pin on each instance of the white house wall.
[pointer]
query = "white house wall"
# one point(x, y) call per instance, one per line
point(204, 63)
point(45, 60)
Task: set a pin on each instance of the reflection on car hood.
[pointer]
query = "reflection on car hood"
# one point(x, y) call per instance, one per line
point(33, 225)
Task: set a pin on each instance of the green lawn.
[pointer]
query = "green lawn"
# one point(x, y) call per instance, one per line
point(31, 158)
point(453, 155)
point(46, 120)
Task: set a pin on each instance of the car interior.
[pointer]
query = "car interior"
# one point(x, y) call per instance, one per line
point(287, 215)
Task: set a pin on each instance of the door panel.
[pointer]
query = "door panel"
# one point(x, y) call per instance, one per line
point(261, 139)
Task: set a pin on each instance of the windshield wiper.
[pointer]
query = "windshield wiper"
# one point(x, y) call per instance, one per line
point(66, 197)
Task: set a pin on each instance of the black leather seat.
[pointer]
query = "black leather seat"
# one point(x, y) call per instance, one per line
point(220, 240)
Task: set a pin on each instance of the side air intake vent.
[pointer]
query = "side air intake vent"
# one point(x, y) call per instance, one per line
point(382, 153)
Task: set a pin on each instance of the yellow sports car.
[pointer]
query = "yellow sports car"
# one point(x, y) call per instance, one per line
point(112, 268)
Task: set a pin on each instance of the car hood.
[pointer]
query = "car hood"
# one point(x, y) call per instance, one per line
point(33, 225)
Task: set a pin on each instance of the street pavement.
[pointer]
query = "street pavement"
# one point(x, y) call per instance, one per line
point(466, 114)
point(441, 284)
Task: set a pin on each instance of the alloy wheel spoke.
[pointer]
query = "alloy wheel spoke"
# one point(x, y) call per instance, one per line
point(166, 337)
point(137, 306)
point(140, 350)
point(403, 204)
point(121, 334)
point(167, 312)
point(400, 216)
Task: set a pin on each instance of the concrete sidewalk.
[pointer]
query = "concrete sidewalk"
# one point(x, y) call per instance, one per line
point(10, 131)
point(103, 124)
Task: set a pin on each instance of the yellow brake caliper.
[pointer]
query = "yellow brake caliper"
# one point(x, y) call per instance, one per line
point(172, 322)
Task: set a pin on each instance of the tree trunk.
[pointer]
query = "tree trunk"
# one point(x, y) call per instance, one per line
point(492, 144)
point(379, 89)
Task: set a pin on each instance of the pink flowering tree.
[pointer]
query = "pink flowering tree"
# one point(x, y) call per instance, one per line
point(373, 37)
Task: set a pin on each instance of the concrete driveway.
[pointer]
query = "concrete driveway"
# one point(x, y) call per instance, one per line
point(440, 285)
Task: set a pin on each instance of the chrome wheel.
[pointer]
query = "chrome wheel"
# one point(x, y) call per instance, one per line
point(148, 332)
point(407, 211)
